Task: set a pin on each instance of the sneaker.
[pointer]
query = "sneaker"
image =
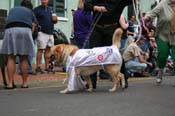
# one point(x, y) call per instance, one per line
point(32, 73)
point(126, 83)
point(145, 74)
point(154, 73)
point(39, 70)
point(159, 76)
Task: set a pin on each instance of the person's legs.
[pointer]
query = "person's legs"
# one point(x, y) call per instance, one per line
point(49, 44)
point(46, 57)
point(95, 41)
point(11, 69)
point(126, 75)
point(42, 41)
point(105, 41)
point(24, 70)
point(38, 60)
point(94, 80)
point(19, 66)
point(30, 59)
point(135, 66)
point(163, 52)
point(173, 57)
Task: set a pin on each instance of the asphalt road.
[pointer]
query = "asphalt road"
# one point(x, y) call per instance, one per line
point(142, 98)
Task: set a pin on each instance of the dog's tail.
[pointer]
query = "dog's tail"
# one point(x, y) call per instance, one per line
point(117, 37)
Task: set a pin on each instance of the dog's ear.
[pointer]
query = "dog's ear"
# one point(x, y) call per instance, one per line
point(73, 51)
point(58, 50)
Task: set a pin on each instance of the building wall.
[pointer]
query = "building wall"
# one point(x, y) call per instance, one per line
point(146, 5)
point(5, 4)
point(65, 24)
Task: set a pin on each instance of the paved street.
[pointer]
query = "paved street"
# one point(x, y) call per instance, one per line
point(142, 98)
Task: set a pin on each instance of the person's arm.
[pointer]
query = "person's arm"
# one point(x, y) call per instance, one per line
point(34, 22)
point(141, 60)
point(89, 5)
point(124, 24)
point(155, 12)
point(137, 52)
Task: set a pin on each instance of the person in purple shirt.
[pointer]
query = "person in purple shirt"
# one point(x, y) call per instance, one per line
point(82, 21)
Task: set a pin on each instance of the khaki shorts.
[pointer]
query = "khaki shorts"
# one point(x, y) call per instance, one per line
point(44, 40)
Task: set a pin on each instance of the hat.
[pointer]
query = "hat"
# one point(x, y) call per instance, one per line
point(139, 37)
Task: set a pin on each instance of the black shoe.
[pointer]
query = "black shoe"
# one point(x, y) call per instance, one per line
point(94, 86)
point(104, 75)
point(8, 88)
point(49, 70)
point(154, 73)
point(32, 73)
point(39, 70)
point(126, 83)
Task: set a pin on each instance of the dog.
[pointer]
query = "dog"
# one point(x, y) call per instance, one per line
point(63, 53)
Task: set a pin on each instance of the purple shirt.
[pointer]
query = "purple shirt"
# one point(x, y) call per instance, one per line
point(82, 24)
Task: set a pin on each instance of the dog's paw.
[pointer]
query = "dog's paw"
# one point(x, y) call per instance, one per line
point(64, 91)
point(121, 76)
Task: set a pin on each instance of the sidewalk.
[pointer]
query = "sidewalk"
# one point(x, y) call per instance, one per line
point(41, 80)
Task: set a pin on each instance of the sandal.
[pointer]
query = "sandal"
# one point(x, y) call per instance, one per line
point(6, 87)
point(22, 86)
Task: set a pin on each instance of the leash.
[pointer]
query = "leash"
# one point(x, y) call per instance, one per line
point(96, 19)
point(137, 11)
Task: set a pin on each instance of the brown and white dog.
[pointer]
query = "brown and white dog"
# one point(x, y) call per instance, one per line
point(63, 51)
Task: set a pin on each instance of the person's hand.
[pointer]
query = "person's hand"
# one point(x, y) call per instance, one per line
point(39, 27)
point(100, 8)
point(147, 19)
point(150, 64)
point(146, 55)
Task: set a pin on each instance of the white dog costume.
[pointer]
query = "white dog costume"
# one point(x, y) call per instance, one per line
point(89, 57)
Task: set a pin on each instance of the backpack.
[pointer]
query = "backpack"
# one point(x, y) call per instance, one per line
point(59, 37)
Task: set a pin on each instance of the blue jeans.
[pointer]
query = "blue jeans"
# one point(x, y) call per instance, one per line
point(135, 66)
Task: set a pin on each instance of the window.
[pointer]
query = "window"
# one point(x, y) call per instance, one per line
point(59, 7)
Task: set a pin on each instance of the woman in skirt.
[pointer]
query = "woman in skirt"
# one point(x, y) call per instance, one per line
point(18, 40)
